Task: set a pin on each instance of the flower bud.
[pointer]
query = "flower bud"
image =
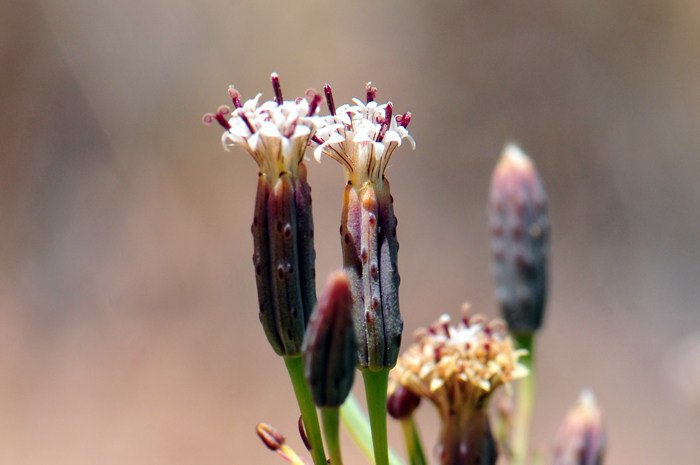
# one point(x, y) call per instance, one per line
point(402, 403)
point(270, 436)
point(362, 138)
point(329, 347)
point(581, 439)
point(277, 134)
point(519, 240)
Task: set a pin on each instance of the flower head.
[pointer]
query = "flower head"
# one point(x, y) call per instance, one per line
point(362, 137)
point(458, 367)
point(276, 133)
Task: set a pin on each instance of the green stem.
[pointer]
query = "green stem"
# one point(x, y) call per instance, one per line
point(376, 391)
point(525, 401)
point(413, 442)
point(356, 422)
point(331, 431)
point(295, 367)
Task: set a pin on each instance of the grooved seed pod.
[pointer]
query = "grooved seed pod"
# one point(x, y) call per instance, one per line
point(362, 138)
point(519, 240)
point(329, 345)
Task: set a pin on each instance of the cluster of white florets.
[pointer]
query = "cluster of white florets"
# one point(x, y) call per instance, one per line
point(459, 366)
point(362, 138)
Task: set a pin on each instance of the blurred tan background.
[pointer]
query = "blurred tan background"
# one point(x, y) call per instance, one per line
point(128, 322)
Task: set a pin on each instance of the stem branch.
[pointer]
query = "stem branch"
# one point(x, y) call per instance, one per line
point(525, 401)
point(331, 431)
point(295, 367)
point(413, 442)
point(376, 390)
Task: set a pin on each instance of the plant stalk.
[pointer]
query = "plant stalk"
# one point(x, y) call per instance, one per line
point(376, 383)
point(357, 424)
point(295, 367)
point(414, 445)
point(331, 431)
point(525, 401)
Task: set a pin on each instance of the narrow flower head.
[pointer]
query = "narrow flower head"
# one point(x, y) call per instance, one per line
point(581, 439)
point(276, 133)
point(519, 240)
point(459, 367)
point(362, 137)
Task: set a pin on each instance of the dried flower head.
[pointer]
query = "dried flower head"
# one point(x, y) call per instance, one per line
point(459, 366)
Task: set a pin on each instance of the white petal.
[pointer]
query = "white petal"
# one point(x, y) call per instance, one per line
point(318, 151)
point(411, 140)
point(344, 118)
point(253, 141)
point(269, 129)
point(335, 139)
point(361, 137)
point(301, 131)
point(287, 146)
point(378, 150)
point(252, 104)
point(392, 136)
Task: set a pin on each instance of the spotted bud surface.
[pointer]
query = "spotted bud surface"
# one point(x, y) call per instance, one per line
point(329, 347)
point(402, 403)
point(581, 439)
point(520, 232)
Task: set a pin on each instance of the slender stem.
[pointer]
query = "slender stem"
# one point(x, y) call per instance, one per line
point(331, 431)
point(376, 390)
point(295, 367)
point(356, 422)
point(525, 401)
point(413, 442)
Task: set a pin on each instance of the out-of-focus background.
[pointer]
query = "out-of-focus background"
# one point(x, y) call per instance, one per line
point(128, 322)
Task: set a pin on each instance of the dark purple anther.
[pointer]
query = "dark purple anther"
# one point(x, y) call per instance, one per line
point(329, 98)
point(315, 101)
point(235, 96)
point(404, 119)
point(388, 112)
point(276, 87)
point(247, 123)
point(371, 92)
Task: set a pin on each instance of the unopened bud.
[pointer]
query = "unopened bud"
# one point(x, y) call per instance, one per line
point(330, 350)
point(402, 403)
point(272, 438)
point(519, 240)
point(581, 439)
